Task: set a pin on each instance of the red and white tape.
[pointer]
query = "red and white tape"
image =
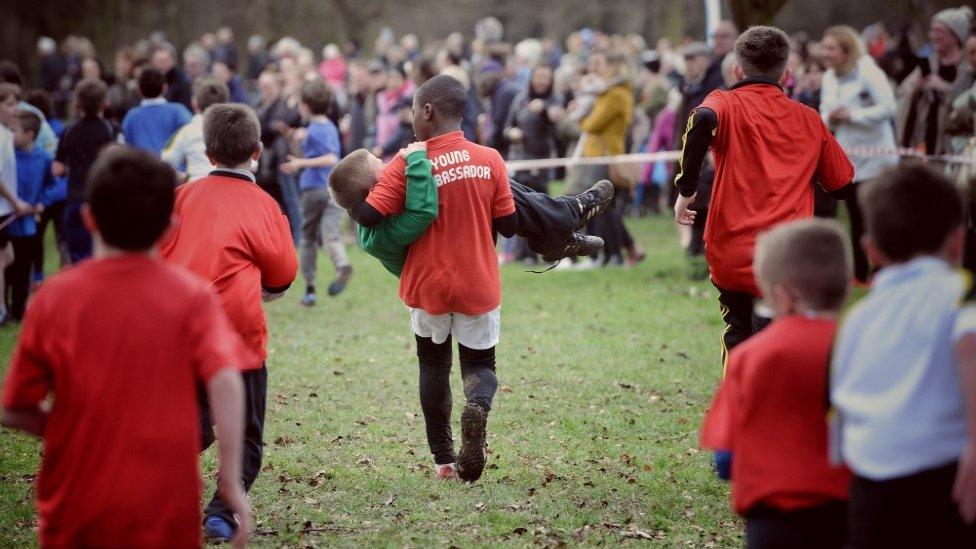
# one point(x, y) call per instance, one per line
point(670, 156)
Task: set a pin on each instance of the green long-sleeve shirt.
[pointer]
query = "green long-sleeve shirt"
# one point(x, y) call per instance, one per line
point(388, 240)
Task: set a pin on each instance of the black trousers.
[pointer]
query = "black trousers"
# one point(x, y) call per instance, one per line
point(52, 214)
point(741, 320)
point(912, 511)
point(480, 384)
point(255, 401)
point(543, 220)
point(862, 269)
point(820, 527)
point(17, 275)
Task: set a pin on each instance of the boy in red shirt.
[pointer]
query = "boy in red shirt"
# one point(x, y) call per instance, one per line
point(450, 279)
point(136, 337)
point(234, 235)
point(769, 415)
point(768, 149)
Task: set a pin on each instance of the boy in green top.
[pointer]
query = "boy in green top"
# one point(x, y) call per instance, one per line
point(388, 240)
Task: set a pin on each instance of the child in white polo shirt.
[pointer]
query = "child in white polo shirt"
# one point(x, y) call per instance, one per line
point(903, 379)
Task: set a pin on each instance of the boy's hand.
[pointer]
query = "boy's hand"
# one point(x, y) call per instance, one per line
point(964, 489)
point(298, 134)
point(682, 214)
point(293, 165)
point(412, 148)
point(515, 134)
point(22, 208)
point(233, 494)
point(38, 209)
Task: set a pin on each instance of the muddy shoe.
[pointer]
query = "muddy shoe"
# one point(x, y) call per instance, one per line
point(471, 458)
point(340, 282)
point(593, 201)
point(577, 245)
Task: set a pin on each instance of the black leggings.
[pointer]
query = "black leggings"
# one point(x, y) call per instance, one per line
point(480, 384)
point(862, 269)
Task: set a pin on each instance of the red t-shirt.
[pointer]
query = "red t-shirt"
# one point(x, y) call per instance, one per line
point(122, 343)
point(768, 151)
point(771, 413)
point(452, 268)
point(234, 235)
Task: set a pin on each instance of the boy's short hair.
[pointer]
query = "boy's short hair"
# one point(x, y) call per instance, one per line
point(317, 96)
point(209, 91)
point(7, 90)
point(29, 121)
point(910, 211)
point(40, 99)
point(763, 51)
point(90, 95)
point(151, 83)
point(445, 94)
point(130, 193)
point(811, 257)
point(351, 179)
point(231, 133)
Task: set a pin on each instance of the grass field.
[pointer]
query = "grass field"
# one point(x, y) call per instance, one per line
point(604, 378)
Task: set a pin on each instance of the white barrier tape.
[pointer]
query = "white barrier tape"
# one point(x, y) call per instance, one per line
point(670, 156)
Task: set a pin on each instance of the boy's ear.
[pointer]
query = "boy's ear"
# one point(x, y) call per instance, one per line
point(955, 245)
point(257, 152)
point(428, 111)
point(212, 161)
point(785, 79)
point(88, 219)
point(876, 257)
point(737, 71)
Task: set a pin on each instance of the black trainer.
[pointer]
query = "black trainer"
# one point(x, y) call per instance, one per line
point(471, 457)
point(577, 244)
point(593, 201)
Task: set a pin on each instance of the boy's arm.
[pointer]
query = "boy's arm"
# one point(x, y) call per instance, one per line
point(420, 204)
point(964, 490)
point(835, 172)
point(386, 197)
point(698, 136)
point(274, 252)
point(29, 380)
point(366, 215)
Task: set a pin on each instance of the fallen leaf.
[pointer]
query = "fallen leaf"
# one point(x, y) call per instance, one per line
point(390, 501)
point(506, 389)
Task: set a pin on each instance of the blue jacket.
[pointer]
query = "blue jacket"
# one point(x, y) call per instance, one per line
point(150, 125)
point(34, 185)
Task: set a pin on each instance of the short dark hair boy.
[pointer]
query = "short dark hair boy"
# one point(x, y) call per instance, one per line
point(232, 134)
point(130, 217)
point(762, 51)
point(152, 83)
point(29, 122)
point(207, 91)
point(317, 96)
point(90, 96)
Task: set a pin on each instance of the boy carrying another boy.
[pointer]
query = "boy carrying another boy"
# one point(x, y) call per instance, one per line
point(767, 148)
point(234, 235)
point(136, 336)
point(782, 482)
point(903, 379)
point(321, 216)
point(34, 183)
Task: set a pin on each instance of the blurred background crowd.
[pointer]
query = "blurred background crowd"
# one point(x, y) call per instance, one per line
point(589, 94)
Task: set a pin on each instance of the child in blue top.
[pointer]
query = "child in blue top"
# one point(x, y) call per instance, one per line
point(321, 216)
point(150, 125)
point(34, 182)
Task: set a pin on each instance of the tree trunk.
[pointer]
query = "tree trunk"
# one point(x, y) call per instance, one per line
point(747, 13)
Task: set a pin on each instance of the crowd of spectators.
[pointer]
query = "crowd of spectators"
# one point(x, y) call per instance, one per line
point(592, 94)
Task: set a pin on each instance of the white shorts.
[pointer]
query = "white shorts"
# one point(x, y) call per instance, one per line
point(474, 332)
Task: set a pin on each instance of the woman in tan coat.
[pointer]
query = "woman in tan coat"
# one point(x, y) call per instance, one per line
point(605, 131)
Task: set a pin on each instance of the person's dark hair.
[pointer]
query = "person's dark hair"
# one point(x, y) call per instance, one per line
point(7, 90)
point(763, 51)
point(445, 94)
point(424, 69)
point(209, 91)
point(910, 211)
point(40, 99)
point(10, 73)
point(29, 121)
point(90, 95)
point(317, 96)
point(351, 179)
point(151, 83)
point(231, 133)
point(130, 193)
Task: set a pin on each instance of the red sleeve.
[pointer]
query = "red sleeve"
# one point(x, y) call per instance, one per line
point(717, 431)
point(391, 190)
point(215, 344)
point(274, 250)
point(29, 379)
point(502, 204)
point(834, 170)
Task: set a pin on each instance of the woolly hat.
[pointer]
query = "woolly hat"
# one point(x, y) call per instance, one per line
point(958, 20)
